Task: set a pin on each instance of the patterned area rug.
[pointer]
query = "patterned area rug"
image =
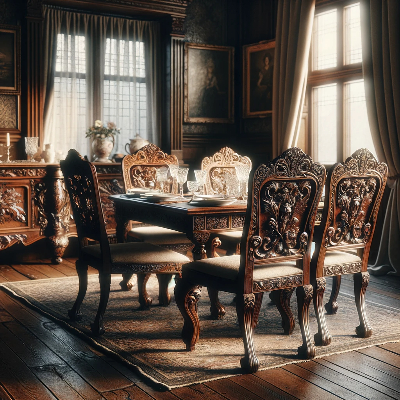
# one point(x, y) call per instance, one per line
point(150, 339)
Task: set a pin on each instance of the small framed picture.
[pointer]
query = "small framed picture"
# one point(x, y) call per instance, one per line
point(10, 59)
point(208, 94)
point(258, 67)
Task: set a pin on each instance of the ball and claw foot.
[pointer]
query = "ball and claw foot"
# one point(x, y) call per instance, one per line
point(363, 332)
point(97, 329)
point(306, 352)
point(74, 315)
point(319, 341)
point(248, 365)
point(331, 308)
point(126, 286)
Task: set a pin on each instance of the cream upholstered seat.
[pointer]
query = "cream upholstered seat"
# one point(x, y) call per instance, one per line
point(139, 170)
point(275, 253)
point(81, 181)
point(353, 193)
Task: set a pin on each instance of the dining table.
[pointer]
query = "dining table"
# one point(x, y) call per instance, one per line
point(198, 221)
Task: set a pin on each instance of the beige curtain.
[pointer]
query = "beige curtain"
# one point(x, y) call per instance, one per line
point(381, 65)
point(293, 38)
point(100, 67)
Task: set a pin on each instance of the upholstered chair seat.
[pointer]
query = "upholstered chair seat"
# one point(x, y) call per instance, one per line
point(162, 237)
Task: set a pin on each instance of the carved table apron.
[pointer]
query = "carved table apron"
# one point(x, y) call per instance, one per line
point(34, 203)
point(196, 222)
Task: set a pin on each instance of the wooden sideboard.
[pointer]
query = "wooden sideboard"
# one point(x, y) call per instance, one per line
point(34, 203)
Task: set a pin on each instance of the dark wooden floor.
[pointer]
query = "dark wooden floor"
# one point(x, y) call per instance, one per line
point(40, 360)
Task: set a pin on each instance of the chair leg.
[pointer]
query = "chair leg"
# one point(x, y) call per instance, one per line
point(245, 311)
point(331, 306)
point(322, 338)
point(304, 296)
point(144, 299)
point(257, 308)
point(361, 281)
point(217, 309)
point(105, 282)
point(186, 296)
point(164, 297)
point(126, 283)
point(82, 271)
point(281, 298)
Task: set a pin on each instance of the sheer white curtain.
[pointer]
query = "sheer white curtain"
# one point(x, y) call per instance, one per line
point(99, 67)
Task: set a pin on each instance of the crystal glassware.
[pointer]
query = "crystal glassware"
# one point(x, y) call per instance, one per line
point(31, 147)
point(181, 178)
point(201, 179)
point(231, 185)
point(173, 170)
point(242, 173)
point(193, 186)
point(162, 176)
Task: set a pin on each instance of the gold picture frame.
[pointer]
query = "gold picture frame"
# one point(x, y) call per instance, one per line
point(258, 65)
point(10, 59)
point(208, 83)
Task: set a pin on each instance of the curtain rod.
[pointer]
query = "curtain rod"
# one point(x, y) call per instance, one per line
point(75, 10)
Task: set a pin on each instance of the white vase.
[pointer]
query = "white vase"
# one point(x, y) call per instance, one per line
point(102, 148)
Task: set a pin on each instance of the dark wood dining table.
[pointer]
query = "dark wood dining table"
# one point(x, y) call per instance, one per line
point(195, 221)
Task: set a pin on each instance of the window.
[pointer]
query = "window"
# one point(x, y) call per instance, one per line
point(339, 121)
point(124, 91)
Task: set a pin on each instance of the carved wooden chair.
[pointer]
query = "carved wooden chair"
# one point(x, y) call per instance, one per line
point(222, 162)
point(81, 181)
point(139, 171)
point(275, 253)
point(353, 193)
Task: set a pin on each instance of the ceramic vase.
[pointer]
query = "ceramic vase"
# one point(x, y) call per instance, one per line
point(102, 148)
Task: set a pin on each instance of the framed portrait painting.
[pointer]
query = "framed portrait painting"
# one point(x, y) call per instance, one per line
point(10, 56)
point(208, 89)
point(258, 67)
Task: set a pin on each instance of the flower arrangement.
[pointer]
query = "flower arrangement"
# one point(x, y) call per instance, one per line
point(100, 130)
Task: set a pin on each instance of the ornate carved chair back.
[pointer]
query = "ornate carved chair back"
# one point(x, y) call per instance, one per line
point(139, 169)
point(282, 206)
point(217, 165)
point(354, 191)
point(353, 194)
point(81, 182)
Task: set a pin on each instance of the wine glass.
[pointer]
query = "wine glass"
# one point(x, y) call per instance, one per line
point(162, 176)
point(182, 178)
point(31, 147)
point(201, 179)
point(193, 186)
point(173, 170)
point(242, 173)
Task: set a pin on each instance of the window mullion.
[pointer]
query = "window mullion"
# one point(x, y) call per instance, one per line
point(340, 125)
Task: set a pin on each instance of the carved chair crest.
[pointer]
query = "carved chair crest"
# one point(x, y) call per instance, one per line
point(139, 169)
point(284, 201)
point(355, 191)
point(217, 165)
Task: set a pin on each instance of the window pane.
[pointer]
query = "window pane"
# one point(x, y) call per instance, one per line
point(324, 49)
point(357, 129)
point(71, 54)
point(325, 123)
point(352, 34)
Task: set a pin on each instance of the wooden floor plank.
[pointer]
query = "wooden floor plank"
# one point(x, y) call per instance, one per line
point(93, 369)
point(331, 386)
point(3, 394)
point(28, 271)
point(260, 387)
point(393, 347)
point(9, 274)
point(343, 380)
point(197, 392)
point(65, 268)
point(48, 270)
point(132, 392)
point(19, 380)
point(231, 390)
point(294, 385)
point(352, 373)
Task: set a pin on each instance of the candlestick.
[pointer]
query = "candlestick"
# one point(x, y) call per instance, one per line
point(8, 153)
point(8, 139)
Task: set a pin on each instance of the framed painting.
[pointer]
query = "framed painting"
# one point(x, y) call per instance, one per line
point(10, 59)
point(208, 89)
point(258, 67)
